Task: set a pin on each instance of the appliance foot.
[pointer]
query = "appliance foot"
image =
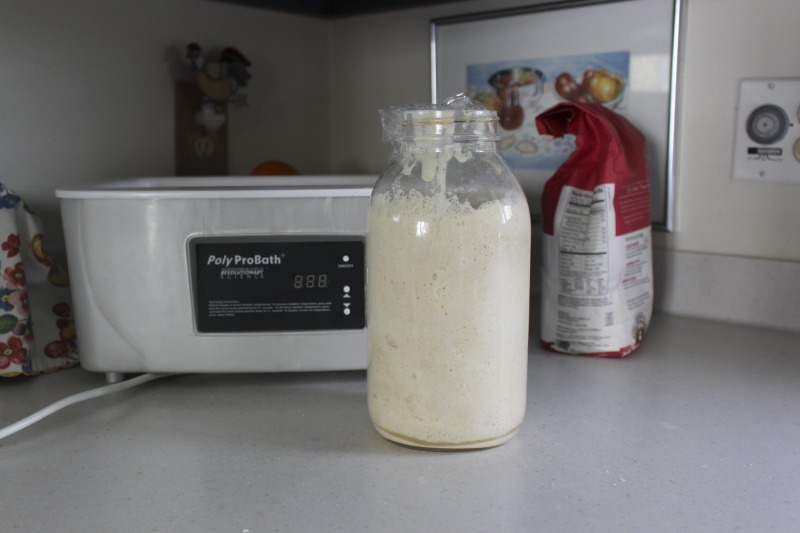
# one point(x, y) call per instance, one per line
point(115, 377)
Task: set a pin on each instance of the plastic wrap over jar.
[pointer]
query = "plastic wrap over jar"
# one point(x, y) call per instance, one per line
point(460, 117)
point(448, 267)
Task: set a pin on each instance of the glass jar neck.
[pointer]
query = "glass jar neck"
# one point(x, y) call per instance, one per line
point(444, 143)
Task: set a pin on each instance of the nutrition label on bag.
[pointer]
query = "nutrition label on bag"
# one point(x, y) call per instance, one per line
point(583, 243)
point(602, 300)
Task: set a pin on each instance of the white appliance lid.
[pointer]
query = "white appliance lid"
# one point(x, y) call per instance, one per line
point(223, 187)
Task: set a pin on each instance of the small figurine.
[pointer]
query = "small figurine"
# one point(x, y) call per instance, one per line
point(219, 80)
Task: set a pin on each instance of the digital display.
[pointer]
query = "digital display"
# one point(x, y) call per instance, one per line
point(246, 284)
point(310, 281)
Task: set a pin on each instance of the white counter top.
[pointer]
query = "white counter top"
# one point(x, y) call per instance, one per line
point(699, 430)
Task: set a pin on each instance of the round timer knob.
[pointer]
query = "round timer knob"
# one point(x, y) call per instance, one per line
point(767, 124)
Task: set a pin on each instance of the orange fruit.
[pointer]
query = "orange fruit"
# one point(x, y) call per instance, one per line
point(274, 168)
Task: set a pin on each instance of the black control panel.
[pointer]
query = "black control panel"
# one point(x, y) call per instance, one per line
point(246, 284)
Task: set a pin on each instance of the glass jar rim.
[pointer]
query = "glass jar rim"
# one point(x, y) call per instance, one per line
point(448, 115)
point(460, 119)
point(455, 124)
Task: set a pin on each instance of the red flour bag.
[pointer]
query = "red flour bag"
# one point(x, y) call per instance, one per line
point(597, 274)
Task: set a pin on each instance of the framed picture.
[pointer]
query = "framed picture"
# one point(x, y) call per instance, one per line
point(522, 61)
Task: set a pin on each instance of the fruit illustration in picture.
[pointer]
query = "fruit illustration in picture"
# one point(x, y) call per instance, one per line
point(567, 88)
point(596, 86)
point(605, 87)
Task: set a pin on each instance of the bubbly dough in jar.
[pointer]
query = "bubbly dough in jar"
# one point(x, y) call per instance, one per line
point(447, 320)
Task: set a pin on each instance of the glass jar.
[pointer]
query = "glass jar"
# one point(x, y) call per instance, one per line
point(448, 276)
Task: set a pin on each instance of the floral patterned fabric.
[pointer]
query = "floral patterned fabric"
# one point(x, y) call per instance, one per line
point(37, 331)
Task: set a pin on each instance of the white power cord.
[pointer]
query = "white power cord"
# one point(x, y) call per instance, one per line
point(75, 398)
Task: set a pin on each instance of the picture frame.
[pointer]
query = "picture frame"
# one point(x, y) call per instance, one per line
point(551, 52)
